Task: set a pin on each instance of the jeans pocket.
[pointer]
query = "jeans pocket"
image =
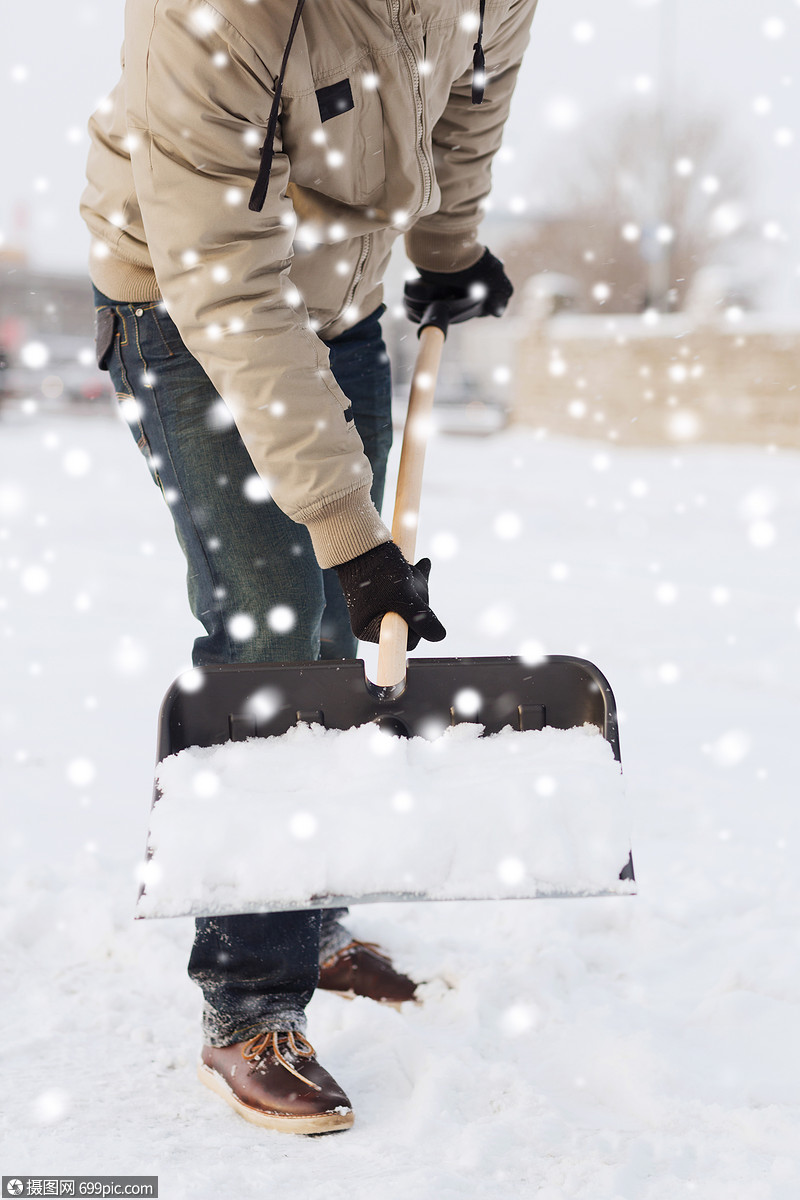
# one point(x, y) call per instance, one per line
point(105, 326)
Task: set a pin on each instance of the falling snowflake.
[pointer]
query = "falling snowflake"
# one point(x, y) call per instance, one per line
point(191, 681)
point(205, 784)
point(773, 28)
point(282, 618)
point(730, 749)
point(34, 355)
point(683, 425)
point(531, 652)
point(444, 545)
point(496, 620)
point(219, 417)
point(761, 534)
point(241, 627)
point(264, 704)
point(51, 1106)
point(511, 871)
point(562, 114)
point(583, 32)
point(81, 772)
point(518, 1019)
point(508, 525)
point(35, 580)
point(757, 503)
point(76, 462)
point(467, 702)
point(129, 657)
point(402, 802)
point(303, 825)
point(256, 490)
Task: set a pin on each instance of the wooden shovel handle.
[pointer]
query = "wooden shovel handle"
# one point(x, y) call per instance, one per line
point(394, 630)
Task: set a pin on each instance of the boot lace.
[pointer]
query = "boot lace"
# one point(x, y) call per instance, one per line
point(269, 1042)
point(355, 945)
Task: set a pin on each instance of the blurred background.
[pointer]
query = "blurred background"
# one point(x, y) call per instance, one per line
point(646, 201)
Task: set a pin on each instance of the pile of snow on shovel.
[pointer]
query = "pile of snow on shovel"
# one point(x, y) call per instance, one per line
point(319, 816)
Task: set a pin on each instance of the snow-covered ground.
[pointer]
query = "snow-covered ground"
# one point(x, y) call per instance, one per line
point(608, 1049)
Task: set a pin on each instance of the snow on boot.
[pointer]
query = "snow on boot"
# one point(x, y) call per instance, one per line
point(362, 969)
point(275, 1081)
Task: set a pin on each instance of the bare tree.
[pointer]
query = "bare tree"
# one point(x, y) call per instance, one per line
point(644, 202)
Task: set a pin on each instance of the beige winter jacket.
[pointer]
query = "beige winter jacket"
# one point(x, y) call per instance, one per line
point(377, 136)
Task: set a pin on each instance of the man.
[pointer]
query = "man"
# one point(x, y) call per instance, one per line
point(247, 179)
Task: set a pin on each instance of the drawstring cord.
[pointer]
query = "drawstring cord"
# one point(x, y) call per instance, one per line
point(479, 62)
point(262, 1042)
point(259, 192)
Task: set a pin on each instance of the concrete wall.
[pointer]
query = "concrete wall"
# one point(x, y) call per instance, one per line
point(654, 379)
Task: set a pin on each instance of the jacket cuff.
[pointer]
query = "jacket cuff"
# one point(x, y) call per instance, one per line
point(345, 527)
point(435, 251)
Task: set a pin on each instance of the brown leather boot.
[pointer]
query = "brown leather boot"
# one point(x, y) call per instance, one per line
point(361, 969)
point(261, 1080)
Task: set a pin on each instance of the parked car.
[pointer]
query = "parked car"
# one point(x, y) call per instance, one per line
point(56, 368)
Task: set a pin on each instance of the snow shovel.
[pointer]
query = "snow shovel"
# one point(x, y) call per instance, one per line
point(307, 785)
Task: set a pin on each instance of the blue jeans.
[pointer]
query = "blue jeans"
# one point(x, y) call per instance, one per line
point(245, 558)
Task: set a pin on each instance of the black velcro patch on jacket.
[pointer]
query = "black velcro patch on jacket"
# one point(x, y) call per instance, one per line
point(335, 99)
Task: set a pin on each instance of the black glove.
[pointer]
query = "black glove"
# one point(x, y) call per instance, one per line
point(481, 290)
point(382, 581)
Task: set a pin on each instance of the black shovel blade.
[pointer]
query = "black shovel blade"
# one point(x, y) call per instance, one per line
point(212, 705)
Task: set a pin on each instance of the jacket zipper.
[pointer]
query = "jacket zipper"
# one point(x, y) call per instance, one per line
point(411, 62)
point(366, 245)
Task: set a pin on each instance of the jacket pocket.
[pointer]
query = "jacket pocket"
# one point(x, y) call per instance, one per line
point(344, 156)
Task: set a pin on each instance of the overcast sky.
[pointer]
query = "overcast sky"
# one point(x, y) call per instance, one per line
point(736, 57)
